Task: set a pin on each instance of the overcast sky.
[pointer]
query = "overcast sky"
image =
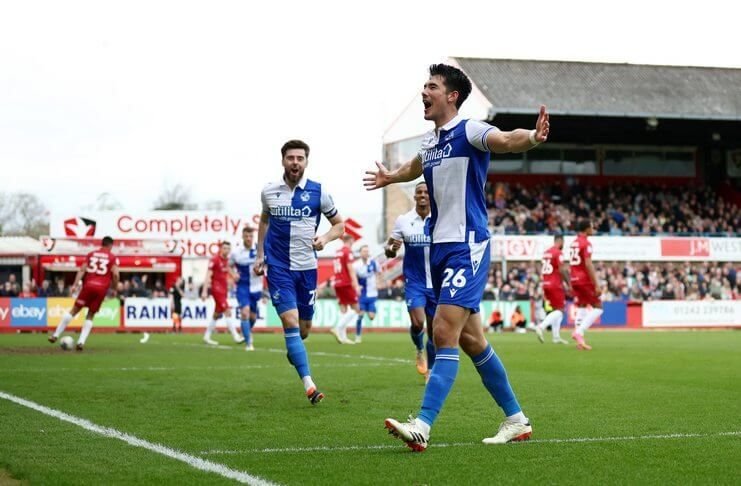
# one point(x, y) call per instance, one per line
point(127, 97)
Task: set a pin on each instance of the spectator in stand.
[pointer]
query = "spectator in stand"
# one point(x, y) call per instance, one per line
point(159, 289)
point(27, 292)
point(60, 290)
point(45, 289)
point(191, 292)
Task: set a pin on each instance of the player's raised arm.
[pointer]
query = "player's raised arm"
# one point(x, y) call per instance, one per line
point(376, 179)
point(520, 140)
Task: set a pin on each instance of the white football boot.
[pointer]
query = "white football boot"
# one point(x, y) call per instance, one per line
point(411, 433)
point(510, 432)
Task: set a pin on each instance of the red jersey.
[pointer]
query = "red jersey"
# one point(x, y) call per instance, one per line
point(550, 269)
point(342, 259)
point(98, 266)
point(579, 250)
point(219, 270)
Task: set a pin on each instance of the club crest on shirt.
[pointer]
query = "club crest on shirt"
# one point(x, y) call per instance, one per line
point(305, 196)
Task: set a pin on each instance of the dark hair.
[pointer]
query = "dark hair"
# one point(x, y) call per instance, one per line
point(419, 184)
point(248, 229)
point(558, 237)
point(294, 144)
point(454, 80)
point(107, 241)
point(225, 243)
point(582, 225)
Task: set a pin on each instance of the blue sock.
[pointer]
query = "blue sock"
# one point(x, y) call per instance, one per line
point(441, 381)
point(296, 351)
point(495, 380)
point(430, 353)
point(246, 330)
point(359, 325)
point(417, 338)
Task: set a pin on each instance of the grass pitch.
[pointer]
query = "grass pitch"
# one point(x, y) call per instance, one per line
point(662, 408)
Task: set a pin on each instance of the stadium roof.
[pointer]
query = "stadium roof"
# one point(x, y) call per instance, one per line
point(602, 89)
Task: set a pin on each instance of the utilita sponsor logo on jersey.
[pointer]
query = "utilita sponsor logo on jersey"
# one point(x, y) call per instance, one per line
point(289, 213)
point(417, 240)
point(433, 156)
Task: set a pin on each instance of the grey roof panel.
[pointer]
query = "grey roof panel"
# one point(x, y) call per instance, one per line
point(581, 88)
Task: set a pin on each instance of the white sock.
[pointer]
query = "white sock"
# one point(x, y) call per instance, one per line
point(308, 383)
point(66, 319)
point(519, 417)
point(580, 313)
point(590, 318)
point(209, 329)
point(86, 328)
point(349, 317)
point(553, 319)
point(232, 326)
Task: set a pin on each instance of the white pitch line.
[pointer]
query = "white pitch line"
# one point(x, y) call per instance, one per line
point(193, 461)
point(311, 353)
point(469, 444)
point(193, 368)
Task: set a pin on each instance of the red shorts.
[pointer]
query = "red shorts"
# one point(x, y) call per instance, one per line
point(91, 297)
point(221, 302)
point(346, 295)
point(585, 295)
point(555, 298)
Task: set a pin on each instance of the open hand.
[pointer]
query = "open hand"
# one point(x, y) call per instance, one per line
point(542, 126)
point(376, 179)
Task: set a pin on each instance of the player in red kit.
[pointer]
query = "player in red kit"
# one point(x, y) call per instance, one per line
point(99, 271)
point(217, 278)
point(555, 278)
point(346, 288)
point(583, 283)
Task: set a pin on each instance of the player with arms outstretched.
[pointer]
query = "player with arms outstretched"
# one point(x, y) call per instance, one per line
point(98, 274)
point(217, 278)
point(410, 229)
point(287, 244)
point(346, 289)
point(454, 159)
point(583, 283)
point(554, 274)
point(249, 284)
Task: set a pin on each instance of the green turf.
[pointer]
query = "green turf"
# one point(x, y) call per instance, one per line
point(179, 393)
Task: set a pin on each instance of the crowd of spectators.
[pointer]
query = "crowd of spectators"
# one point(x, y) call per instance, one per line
point(624, 209)
point(627, 281)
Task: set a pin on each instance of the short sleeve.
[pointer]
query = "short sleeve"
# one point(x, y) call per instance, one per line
point(588, 250)
point(211, 264)
point(396, 233)
point(350, 257)
point(232, 259)
point(264, 200)
point(327, 205)
point(476, 132)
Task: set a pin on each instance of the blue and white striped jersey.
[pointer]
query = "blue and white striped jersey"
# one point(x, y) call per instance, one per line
point(456, 161)
point(366, 272)
point(294, 218)
point(244, 258)
point(411, 229)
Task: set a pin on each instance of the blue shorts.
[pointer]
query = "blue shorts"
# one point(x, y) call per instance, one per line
point(292, 289)
point(459, 272)
point(421, 297)
point(245, 298)
point(368, 304)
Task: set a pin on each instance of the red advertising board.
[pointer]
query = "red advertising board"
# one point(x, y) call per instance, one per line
point(4, 312)
point(685, 247)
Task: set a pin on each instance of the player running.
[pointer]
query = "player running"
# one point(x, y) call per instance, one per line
point(249, 284)
point(98, 273)
point(217, 277)
point(583, 283)
point(455, 159)
point(287, 243)
point(555, 278)
point(367, 270)
point(410, 229)
point(346, 289)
